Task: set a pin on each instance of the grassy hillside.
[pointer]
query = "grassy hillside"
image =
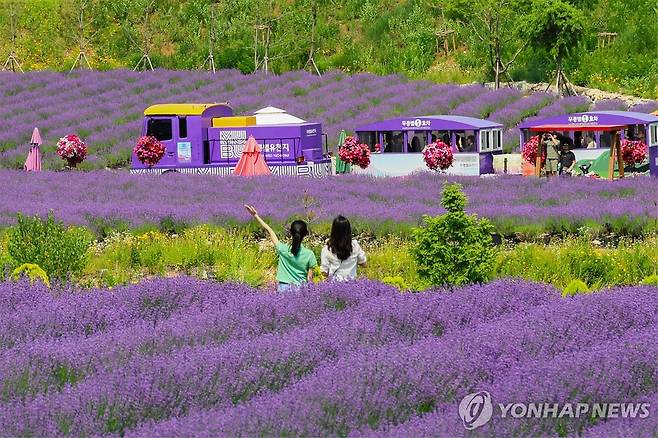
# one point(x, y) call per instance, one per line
point(379, 36)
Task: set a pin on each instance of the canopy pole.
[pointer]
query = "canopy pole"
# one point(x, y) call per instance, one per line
point(611, 163)
point(620, 158)
point(540, 153)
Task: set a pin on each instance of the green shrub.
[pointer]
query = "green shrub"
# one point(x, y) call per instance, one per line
point(396, 281)
point(31, 271)
point(575, 287)
point(454, 248)
point(58, 250)
point(651, 280)
point(171, 225)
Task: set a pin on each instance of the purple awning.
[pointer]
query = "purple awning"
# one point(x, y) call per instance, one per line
point(430, 123)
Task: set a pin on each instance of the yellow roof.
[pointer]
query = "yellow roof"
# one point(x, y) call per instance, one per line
point(182, 109)
point(655, 113)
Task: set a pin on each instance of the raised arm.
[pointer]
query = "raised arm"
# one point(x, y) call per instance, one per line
point(262, 223)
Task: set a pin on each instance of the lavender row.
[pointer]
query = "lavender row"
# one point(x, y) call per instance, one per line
point(621, 370)
point(200, 377)
point(237, 315)
point(391, 384)
point(622, 427)
point(137, 200)
point(72, 102)
point(31, 312)
point(107, 106)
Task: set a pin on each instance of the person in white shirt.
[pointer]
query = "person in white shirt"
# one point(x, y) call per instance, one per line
point(341, 255)
point(589, 143)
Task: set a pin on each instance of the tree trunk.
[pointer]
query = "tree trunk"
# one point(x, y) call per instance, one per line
point(499, 69)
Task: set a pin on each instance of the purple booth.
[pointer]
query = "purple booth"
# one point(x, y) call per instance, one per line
point(474, 143)
point(208, 139)
point(592, 133)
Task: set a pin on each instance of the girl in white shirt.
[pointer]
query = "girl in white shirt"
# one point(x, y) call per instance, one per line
point(341, 255)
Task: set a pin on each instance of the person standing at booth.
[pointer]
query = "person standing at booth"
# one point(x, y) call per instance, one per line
point(567, 160)
point(552, 147)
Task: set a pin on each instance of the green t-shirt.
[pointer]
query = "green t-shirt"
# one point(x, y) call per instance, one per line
point(293, 270)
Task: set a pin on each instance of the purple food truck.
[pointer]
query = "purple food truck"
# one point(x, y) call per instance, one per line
point(474, 143)
point(208, 139)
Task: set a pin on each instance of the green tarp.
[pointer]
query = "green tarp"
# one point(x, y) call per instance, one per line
point(600, 166)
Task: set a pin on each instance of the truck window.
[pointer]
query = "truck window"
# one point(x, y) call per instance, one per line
point(182, 127)
point(159, 128)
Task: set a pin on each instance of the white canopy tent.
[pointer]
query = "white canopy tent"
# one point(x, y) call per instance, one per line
point(275, 116)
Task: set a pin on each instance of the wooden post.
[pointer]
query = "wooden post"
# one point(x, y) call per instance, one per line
point(620, 158)
point(540, 151)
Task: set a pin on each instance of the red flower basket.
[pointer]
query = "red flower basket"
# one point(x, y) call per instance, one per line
point(530, 149)
point(72, 149)
point(356, 153)
point(438, 155)
point(633, 152)
point(149, 150)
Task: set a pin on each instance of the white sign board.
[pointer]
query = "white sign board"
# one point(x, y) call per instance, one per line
point(388, 164)
point(465, 164)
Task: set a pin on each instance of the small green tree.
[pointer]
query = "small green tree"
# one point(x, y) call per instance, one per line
point(455, 248)
point(60, 251)
point(575, 287)
point(31, 271)
point(556, 26)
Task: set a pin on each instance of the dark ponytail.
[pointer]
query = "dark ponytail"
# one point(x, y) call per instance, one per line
point(298, 231)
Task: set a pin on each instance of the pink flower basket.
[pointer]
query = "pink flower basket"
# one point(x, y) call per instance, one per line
point(72, 149)
point(356, 153)
point(633, 152)
point(438, 156)
point(149, 150)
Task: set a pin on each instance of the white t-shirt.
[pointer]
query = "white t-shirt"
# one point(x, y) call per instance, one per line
point(343, 270)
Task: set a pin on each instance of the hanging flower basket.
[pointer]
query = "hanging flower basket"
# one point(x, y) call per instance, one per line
point(530, 149)
point(353, 152)
point(438, 156)
point(149, 150)
point(72, 150)
point(633, 152)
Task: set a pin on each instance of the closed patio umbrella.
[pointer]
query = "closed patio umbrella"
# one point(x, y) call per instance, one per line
point(33, 162)
point(252, 162)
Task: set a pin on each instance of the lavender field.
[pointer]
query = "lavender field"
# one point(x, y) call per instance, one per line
point(512, 202)
point(105, 108)
point(181, 357)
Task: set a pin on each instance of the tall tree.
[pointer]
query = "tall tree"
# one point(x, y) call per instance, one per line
point(495, 25)
point(556, 26)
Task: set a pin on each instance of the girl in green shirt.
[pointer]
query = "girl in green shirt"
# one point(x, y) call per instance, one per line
point(296, 262)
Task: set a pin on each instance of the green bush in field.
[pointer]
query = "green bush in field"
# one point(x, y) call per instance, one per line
point(575, 287)
point(651, 280)
point(627, 264)
point(454, 248)
point(60, 251)
point(396, 281)
point(31, 271)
